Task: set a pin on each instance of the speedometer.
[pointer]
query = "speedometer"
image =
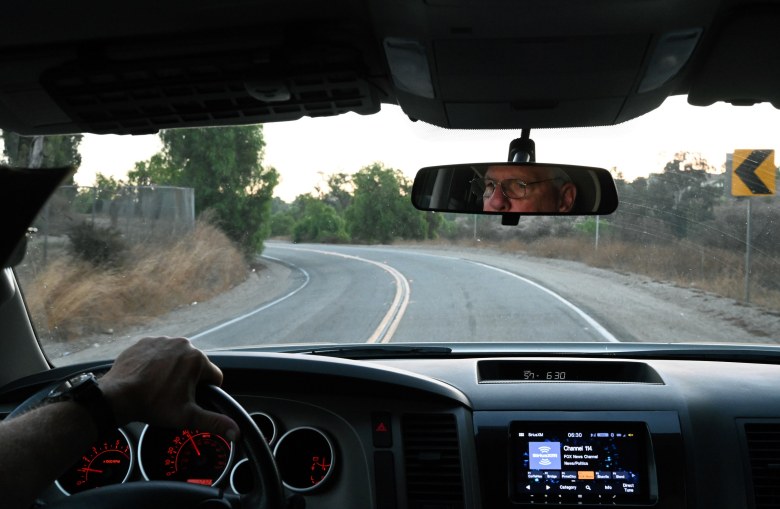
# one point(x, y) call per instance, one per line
point(188, 455)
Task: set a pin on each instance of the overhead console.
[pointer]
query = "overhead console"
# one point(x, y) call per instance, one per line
point(580, 458)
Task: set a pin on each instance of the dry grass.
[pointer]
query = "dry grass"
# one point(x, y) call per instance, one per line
point(72, 298)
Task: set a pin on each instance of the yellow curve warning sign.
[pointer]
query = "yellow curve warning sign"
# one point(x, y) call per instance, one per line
point(753, 173)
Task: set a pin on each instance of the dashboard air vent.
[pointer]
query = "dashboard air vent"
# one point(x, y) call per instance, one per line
point(432, 461)
point(763, 441)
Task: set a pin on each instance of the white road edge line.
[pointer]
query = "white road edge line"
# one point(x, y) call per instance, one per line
point(261, 308)
point(589, 319)
point(387, 327)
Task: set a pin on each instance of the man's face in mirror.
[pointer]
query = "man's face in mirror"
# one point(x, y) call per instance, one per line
point(527, 189)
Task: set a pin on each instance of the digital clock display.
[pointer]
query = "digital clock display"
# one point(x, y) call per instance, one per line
point(530, 374)
point(543, 371)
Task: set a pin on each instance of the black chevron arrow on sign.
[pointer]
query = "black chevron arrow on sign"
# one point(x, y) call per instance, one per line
point(747, 172)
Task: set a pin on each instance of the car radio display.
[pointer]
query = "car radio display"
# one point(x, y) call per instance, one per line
point(579, 463)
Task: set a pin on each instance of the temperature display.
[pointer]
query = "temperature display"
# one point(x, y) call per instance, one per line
point(305, 457)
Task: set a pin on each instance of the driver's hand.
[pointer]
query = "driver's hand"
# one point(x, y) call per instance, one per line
point(154, 381)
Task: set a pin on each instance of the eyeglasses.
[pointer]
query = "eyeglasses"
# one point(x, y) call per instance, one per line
point(514, 189)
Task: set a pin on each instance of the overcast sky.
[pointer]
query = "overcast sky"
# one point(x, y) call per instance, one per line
point(304, 150)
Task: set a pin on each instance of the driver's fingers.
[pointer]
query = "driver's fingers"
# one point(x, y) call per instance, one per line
point(210, 373)
point(214, 422)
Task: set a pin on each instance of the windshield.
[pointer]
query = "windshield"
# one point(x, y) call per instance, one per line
point(303, 232)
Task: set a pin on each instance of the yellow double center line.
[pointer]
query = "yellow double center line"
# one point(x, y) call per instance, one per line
point(387, 327)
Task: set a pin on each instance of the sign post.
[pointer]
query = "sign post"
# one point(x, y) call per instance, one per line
point(747, 252)
point(752, 173)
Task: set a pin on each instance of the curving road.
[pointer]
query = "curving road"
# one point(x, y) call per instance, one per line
point(346, 294)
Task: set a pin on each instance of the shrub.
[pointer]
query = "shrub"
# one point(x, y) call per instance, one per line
point(282, 224)
point(320, 223)
point(98, 245)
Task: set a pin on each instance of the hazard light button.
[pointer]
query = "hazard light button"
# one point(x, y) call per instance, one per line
point(381, 429)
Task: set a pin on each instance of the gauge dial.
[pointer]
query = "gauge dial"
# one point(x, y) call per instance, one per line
point(305, 457)
point(266, 424)
point(188, 455)
point(106, 462)
point(241, 477)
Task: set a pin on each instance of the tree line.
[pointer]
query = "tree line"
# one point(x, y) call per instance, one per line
point(225, 168)
point(372, 205)
point(685, 200)
point(688, 201)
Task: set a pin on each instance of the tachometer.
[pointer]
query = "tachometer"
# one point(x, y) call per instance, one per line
point(107, 462)
point(188, 455)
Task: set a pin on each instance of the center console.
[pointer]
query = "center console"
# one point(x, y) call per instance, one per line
point(580, 459)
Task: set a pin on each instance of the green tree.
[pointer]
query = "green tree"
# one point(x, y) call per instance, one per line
point(381, 209)
point(319, 222)
point(224, 166)
point(279, 205)
point(282, 224)
point(96, 198)
point(107, 186)
point(153, 171)
point(680, 195)
point(60, 150)
point(339, 193)
point(282, 220)
point(588, 226)
point(55, 151)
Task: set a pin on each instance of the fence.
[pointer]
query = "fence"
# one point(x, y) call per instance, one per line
point(141, 214)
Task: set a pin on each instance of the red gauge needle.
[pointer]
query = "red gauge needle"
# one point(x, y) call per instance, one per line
point(188, 435)
point(85, 469)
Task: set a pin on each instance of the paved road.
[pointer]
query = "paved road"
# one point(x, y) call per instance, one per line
point(366, 294)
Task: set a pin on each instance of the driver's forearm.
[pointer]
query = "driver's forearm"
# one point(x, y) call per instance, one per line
point(38, 446)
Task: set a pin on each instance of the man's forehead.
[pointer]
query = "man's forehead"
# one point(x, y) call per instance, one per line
point(521, 172)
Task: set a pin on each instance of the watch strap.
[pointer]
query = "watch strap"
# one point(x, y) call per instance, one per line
point(86, 392)
point(92, 398)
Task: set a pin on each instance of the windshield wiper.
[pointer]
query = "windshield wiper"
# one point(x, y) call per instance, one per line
point(376, 351)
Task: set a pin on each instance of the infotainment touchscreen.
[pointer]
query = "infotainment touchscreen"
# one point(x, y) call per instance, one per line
point(572, 462)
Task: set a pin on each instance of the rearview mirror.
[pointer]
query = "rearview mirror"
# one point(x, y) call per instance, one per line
point(515, 188)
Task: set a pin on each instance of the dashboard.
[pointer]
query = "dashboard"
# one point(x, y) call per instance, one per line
point(500, 432)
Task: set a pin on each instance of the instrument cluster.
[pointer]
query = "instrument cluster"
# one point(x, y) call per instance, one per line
point(305, 455)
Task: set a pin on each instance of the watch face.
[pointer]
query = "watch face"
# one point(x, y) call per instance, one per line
point(69, 384)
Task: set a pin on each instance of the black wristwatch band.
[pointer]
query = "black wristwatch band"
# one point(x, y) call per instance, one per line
point(85, 390)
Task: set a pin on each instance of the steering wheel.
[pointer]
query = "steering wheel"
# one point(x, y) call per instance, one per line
point(267, 491)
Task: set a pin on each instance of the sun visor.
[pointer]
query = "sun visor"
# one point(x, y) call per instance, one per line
point(23, 192)
point(743, 66)
point(537, 82)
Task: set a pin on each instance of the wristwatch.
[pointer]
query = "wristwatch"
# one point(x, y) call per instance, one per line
point(85, 390)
